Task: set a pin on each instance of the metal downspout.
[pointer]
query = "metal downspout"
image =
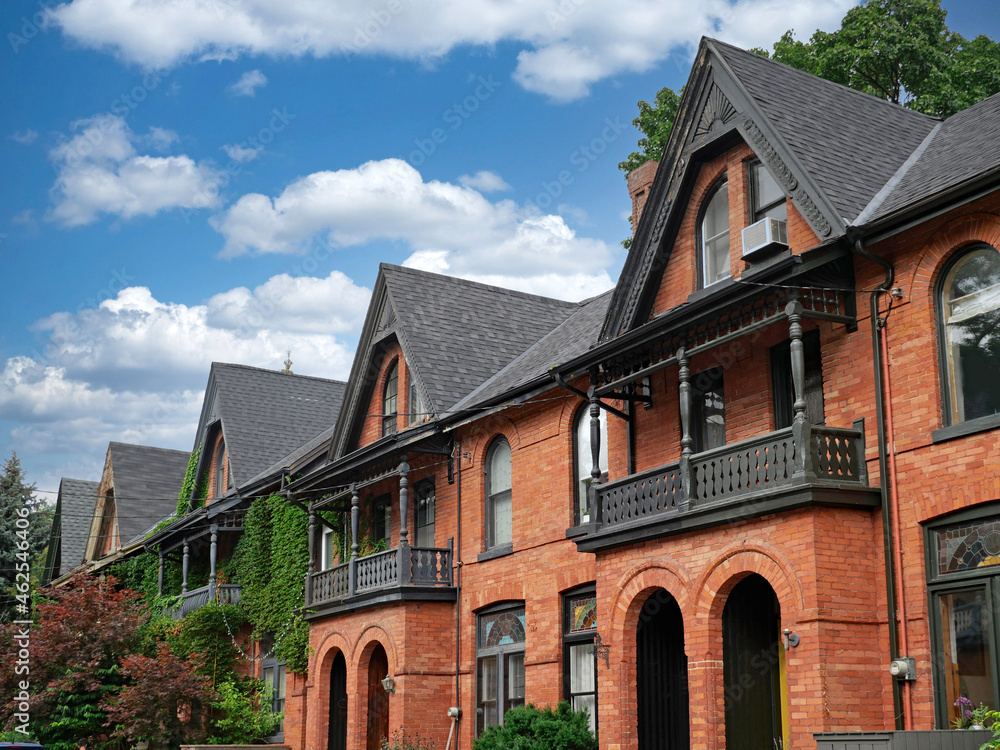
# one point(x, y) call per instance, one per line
point(458, 592)
point(900, 708)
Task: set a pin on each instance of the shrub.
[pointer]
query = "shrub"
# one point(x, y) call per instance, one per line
point(530, 728)
point(403, 741)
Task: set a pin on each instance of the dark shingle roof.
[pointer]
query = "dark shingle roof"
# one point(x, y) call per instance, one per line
point(572, 338)
point(77, 498)
point(267, 414)
point(964, 148)
point(459, 333)
point(147, 481)
point(849, 142)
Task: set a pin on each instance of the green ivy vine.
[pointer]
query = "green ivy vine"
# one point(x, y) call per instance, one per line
point(270, 564)
point(190, 476)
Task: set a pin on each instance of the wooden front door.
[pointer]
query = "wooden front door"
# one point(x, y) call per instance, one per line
point(751, 665)
point(378, 699)
point(661, 675)
point(338, 704)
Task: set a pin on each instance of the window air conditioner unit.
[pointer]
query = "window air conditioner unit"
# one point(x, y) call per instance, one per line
point(767, 234)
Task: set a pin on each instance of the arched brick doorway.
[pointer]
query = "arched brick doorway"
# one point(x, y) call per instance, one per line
point(338, 704)
point(661, 675)
point(378, 699)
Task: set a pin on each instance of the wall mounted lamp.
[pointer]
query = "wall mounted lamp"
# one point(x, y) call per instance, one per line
point(790, 639)
point(389, 684)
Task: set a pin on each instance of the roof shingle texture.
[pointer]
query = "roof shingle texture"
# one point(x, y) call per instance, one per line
point(965, 147)
point(460, 333)
point(77, 499)
point(267, 414)
point(570, 339)
point(849, 142)
point(147, 483)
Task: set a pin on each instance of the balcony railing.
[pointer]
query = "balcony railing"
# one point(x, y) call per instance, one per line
point(403, 566)
point(226, 593)
point(833, 456)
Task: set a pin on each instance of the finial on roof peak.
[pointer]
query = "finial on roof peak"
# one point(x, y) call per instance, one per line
point(288, 364)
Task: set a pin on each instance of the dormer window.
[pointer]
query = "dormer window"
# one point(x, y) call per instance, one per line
point(220, 470)
point(416, 409)
point(766, 199)
point(390, 400)
point(714, 237)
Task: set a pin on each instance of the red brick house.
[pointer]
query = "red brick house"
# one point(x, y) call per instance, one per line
point(671, 504)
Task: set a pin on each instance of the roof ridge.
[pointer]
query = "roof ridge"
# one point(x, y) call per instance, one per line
point(827, 81)
point(470, 282)
point(147, 447)
point(236, 365)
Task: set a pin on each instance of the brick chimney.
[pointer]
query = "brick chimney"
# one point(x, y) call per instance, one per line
point(640, 180)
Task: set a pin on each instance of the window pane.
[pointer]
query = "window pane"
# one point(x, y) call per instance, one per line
point(967, 663)
point(501, 629)
point(514, 676)
point(767, 192)
point(328, 551)
point(587, 703)
point(715, 237)
point(969, 545)
point(487, 679)
point(281, 682)
point(971, 309)
point(500, 467)
point(502, 531)
point(583, 614)
point(708, 411)
point(581, 668)
point(585, 460)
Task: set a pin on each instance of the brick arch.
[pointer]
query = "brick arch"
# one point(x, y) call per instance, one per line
point(326, 651)
point(318, 679)
point(949, 239)
point(737, 562)
point(635, 587)
point(370, 635)
point(508, 592)
point(931, 507)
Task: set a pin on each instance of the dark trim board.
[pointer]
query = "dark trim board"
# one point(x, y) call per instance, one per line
point(733, 510)
point(377, 598)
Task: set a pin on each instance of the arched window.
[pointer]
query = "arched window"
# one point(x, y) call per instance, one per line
point(585, 462)
point(220, 470)
point(390, 400)
point(969, 314)
point(415, 404)
point(498, 494)
point(713, 240)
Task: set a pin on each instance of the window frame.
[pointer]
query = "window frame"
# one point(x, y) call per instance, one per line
point(270, 661)
point(782, 385)
point(415, 408)
point(700, 238)
point(575, 639)
point(583, 413)
point(698, 422)
point(220, 469)
point(491, 496)
point(758, 212)
point(382, 507)
point(390, 425)
point(947, 396)
point(419, 490)
point(939, 584)
point(500, 653)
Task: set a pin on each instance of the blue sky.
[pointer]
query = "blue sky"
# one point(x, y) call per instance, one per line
point(199, 180)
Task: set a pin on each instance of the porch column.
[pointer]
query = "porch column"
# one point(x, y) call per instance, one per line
point(800, 424)
point(212, 555)
point(312, 552)
point(595, 452)
point(159, 576)
point(184, 568)
point(684, 402)
point(404, 542)
point(352, 565)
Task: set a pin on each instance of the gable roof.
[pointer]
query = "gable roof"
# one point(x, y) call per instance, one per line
point(70, 526)
point(147, 481)
point(825, 144)
point(454, 333)
point(266, 414)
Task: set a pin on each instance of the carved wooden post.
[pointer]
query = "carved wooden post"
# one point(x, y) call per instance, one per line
point(684, 402)
point(212, 555)
point(800, 424)
point(352, 567)
point(184, 568)
point(595, 452)
point(159, 576)
point(312, 552)
point(404, 500)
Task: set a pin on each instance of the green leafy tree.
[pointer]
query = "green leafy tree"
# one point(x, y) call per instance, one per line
point(655, 121)
point(25, 524)
point(530, 728)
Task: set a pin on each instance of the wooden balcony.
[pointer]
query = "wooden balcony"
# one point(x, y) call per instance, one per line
point(399, 574)
point(226, 593)
point(786, 469)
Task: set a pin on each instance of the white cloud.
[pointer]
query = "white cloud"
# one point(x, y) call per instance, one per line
point(249, 83)
point(100, 172)
point(566, 45)
point(484, 182)
point(448, 227)
point(162, 139)
point(25, 137)
point(241, 154)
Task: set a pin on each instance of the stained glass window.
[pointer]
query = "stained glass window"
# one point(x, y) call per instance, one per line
point(583, 614)
point(969, 545)
point(501, 629)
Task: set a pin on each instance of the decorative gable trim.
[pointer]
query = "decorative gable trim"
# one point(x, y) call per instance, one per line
point(717, 112)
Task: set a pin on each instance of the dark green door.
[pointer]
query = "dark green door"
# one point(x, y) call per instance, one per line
point(661, 675)
point(751, 666)
point(338, 704)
